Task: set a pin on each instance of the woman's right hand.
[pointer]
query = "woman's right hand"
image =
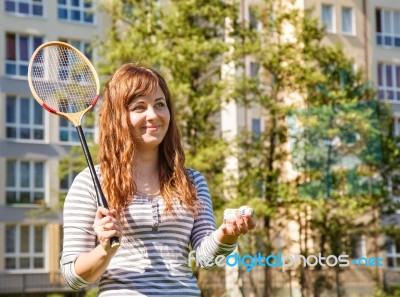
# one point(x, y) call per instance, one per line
point(91, 265)
point(107, 225)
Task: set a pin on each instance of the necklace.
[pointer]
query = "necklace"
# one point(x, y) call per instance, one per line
point(148, 194)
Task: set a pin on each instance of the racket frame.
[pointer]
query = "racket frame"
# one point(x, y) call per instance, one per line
point(76, 117)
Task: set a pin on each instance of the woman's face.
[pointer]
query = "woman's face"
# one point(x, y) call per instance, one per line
point(150, 117)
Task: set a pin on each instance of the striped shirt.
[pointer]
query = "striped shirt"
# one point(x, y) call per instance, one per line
point(153, 257)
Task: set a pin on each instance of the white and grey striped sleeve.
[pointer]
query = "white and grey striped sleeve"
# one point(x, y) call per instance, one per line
point(203, 240)
point(79, 237)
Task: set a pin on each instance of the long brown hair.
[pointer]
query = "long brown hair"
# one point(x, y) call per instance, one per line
point(118, 146)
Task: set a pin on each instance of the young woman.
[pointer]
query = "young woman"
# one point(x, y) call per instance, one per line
point(158, 208)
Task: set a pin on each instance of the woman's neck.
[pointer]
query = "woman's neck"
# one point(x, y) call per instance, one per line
point(146, 172)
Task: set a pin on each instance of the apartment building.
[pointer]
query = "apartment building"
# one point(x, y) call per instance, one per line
point(385, 72)
point(369, 31)
point(33, 141)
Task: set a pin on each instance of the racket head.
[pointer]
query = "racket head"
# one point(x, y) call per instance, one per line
point(63, 80)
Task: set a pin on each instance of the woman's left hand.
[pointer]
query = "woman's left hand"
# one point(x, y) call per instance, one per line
point(231, 229)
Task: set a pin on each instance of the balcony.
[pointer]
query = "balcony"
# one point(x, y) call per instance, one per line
point(35, 284)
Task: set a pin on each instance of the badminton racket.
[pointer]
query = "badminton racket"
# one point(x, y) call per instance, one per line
point(64, 82)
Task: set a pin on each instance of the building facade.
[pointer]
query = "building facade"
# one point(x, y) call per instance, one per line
point(33, 141)
point(369, 31)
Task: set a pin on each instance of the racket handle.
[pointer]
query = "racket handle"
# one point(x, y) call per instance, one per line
point(101, 199)
point(114, 241)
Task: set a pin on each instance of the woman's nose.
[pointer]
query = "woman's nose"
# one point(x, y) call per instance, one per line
point(150, 113)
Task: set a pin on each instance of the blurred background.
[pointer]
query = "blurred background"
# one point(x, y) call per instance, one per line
point(291, 107)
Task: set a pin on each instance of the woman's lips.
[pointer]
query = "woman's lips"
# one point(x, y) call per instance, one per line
point(152, 127)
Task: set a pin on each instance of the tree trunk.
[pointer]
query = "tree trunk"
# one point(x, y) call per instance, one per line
point(267, 270)
point(339, 290)
point(305, 282)
point(267, 281)
point(253, 286)
point(232, 282)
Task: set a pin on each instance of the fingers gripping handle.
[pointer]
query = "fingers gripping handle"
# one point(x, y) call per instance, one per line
point(101, 199)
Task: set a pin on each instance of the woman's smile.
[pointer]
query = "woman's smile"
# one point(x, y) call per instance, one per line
point(152, 127)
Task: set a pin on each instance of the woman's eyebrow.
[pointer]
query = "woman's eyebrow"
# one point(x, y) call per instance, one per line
point(136, 100)
point(140, 100)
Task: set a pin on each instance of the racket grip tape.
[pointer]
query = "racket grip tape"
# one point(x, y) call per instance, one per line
point(101, 199)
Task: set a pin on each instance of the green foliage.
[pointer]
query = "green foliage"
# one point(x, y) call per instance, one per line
point(92, 292)
point(328, 140)
point(75, 161)
point(391, 292)
point(324, 76)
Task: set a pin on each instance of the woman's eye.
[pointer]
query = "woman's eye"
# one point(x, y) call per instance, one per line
point(137, 108)
point(160, 104)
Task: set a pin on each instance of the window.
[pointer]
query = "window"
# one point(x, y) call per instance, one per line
point(19, 49)
point(128, 9)
point(80, 11)
point(25, 182)
point(25, 7)
point(387, 28)
point(259, 188)
point(393, 253)
point(328, 19)
point(358, 248)
point(24, 118)
point(67, 179)
point(388, 81)
point(68, 131)
point(396, 131)
point(256, 127)
point(348, 21)
point(254, 69)
point(24, 247)
point(394, 186)
point(254, 23)
point(83, 46)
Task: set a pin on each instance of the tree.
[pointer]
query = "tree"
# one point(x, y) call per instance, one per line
point(292, 55)
point(184, 40)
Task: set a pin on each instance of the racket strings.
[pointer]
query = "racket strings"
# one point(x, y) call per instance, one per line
point(63, 80)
